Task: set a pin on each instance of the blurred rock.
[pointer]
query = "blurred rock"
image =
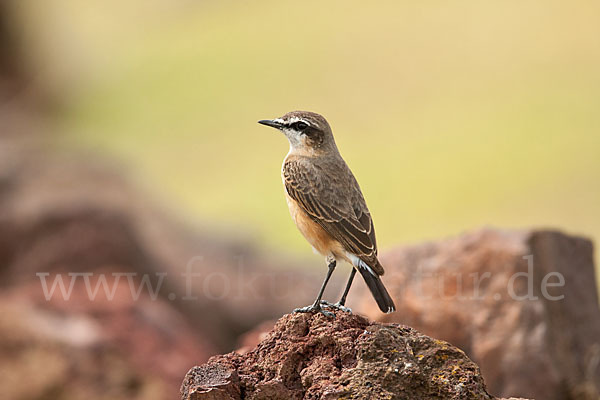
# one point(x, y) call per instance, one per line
point(103, 349)
point(530, 341)
point(310, 356)
point(46, 356)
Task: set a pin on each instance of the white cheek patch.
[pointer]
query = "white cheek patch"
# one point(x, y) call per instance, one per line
point(297, 139)
point(293, 137)
point(291, 134)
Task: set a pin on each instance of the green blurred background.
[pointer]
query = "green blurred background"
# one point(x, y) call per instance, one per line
point(452, 115)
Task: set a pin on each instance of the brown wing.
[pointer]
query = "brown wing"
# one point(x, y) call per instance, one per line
point(331, 197)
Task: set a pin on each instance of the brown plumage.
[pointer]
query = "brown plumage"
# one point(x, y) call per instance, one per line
point(327, 192)
point(326, 202)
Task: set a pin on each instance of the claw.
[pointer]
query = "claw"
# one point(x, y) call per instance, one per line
point(313, 308)
point(336, 306)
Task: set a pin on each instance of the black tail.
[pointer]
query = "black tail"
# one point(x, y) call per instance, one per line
point(379, 292)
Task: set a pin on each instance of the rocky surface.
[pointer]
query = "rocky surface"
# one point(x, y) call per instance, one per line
point(310, 356)
point(528, 342)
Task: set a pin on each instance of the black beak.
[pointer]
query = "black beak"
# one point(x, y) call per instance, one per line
point(271, 123)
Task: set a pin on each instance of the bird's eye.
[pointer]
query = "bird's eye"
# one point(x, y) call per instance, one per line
point(300, 126)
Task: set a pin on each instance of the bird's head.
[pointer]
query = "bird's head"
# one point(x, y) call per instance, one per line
point(308, 132)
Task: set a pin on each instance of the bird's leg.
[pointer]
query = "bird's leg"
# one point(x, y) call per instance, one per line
point(340, 305)
point(342, 301)
point(317, 304)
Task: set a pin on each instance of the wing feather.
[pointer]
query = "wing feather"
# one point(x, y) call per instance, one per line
point(325, 200)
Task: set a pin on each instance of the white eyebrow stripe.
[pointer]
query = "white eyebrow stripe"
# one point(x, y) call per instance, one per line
point(293, 120)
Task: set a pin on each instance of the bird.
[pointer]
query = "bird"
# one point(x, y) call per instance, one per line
point(328, 207)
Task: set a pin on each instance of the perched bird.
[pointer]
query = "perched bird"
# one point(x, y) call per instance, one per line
point(327, 205)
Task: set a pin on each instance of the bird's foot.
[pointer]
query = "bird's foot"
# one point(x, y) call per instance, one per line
point(315, 308)
point(336, 306)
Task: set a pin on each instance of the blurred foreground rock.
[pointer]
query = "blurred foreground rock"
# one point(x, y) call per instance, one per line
point(309, 356)
point(531, 342)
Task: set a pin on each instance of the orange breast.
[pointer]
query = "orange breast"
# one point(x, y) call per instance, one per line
point(318, 238)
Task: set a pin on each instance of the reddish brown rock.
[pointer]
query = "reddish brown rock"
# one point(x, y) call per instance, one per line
point(106, 349)
point(310, 356)
point(57, 356)
point(530, 341)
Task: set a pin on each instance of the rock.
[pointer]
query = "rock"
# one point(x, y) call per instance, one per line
point(121, 348)
point(46, 356)
point(530, 341)
point(212, 382)
point(310, 356)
